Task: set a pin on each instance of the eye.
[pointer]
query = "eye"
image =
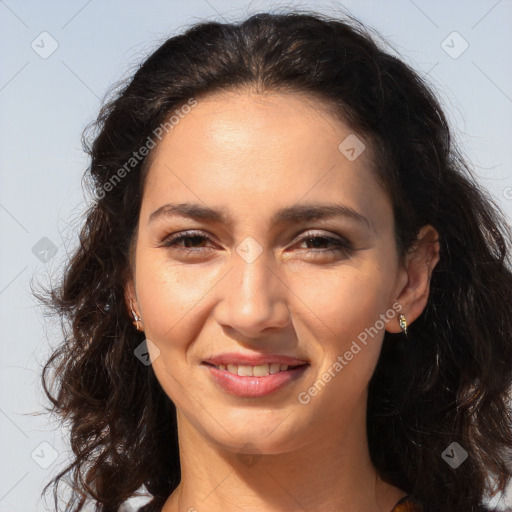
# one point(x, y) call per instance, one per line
point(194, 242)
point(335, 245)
point(190, 239)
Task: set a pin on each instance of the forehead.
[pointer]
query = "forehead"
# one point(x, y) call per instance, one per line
point(228, 122)
point(258, 150)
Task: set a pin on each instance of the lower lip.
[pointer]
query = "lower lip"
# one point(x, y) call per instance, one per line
point(254, 386)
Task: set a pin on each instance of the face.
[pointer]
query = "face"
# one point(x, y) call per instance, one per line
point(251, 271)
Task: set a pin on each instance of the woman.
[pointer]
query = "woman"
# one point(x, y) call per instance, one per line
point(290, 293)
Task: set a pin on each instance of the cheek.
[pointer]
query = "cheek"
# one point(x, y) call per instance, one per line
point(344, 318)
point(346, 301)
point(170, 296)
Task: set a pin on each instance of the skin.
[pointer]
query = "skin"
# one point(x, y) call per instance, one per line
point(252, 154)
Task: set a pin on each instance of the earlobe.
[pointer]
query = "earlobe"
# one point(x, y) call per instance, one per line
point(419, 265)
point(132, 305)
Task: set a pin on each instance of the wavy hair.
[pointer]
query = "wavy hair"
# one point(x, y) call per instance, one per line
point(448, 382)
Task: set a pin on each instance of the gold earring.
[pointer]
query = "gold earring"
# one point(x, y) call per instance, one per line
point(136, 317)
point(403, 323)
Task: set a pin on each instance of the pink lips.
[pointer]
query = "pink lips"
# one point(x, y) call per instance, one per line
point(249, 386)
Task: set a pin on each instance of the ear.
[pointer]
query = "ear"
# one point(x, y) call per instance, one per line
point(419, 263)
point(130, 297)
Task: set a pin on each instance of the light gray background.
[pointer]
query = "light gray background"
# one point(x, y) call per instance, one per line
point(46, 102)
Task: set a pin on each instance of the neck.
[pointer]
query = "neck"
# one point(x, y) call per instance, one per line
point(331, 472)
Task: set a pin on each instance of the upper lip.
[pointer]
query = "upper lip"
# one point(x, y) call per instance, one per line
point(254, 359)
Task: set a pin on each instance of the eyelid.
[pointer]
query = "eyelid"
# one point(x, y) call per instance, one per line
point(323, 234)
point(305, 234)
point(186, 234)
point(339, 242)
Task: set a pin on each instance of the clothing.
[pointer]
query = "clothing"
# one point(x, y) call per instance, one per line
point(407, 504)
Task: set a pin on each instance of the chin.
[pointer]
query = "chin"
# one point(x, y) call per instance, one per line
point(277, 436)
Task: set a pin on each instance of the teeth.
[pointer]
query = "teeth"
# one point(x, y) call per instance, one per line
point(244, 371)
point(274, 368)
point(261, 370)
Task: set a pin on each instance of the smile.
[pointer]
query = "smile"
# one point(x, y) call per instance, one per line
point(254, 381)
point(261, 370)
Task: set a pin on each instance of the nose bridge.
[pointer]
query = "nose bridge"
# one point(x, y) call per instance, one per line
point(253, 280)
point(255, 298)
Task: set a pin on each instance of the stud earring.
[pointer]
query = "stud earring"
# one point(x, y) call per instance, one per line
point(403, 323)
point(136, 317)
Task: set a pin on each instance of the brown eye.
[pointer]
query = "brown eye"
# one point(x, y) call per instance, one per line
point(333, 245)
point(190, 240)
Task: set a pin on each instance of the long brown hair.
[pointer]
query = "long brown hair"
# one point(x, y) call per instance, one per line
point(448, 383)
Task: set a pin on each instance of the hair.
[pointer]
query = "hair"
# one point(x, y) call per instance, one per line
point(449, 381)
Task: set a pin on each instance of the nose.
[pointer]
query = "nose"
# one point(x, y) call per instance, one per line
point(253, 298)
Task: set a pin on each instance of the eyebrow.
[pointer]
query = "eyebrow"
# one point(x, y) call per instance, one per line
point(290, 214)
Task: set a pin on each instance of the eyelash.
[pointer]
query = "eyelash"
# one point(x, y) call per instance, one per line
point(340, 245)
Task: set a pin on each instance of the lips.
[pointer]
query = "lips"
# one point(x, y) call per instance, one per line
point(254, 375)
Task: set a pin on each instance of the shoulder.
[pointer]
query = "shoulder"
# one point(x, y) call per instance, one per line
point(484, 508)
point(408, 504)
